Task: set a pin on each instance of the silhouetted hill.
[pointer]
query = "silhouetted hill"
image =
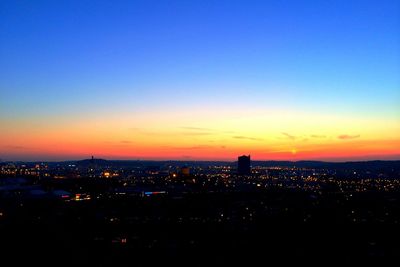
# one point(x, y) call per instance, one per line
point(355, 165)
point(87, 162)
point(375, 165)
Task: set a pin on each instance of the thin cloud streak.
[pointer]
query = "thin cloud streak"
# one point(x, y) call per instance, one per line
point(15, 147)
point(196, 128)
point(195, 133)
point(193, 147)
point(347, 137)
point(318, 136)
point(247, 138)
point(291, 137)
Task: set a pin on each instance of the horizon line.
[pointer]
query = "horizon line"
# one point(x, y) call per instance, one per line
point(201, 160)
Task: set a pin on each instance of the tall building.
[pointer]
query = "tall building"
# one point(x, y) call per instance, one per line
point(244, 165)
point(185, 171)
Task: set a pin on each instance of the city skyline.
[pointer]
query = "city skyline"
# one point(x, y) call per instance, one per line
point(200, 80)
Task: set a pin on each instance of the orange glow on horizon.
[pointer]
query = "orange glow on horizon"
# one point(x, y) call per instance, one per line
point(203, 135)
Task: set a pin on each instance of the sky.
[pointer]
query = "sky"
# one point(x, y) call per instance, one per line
point(200, 80)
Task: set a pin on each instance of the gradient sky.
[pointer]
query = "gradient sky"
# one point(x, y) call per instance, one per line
point(200, 79)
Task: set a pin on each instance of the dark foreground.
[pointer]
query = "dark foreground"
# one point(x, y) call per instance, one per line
point(259, 228)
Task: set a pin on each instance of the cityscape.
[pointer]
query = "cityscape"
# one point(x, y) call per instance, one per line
point(117, 213)
point(199, 133)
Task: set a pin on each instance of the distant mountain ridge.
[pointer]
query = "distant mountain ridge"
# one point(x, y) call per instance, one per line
point(93, 161)
point(372, 165)
point(355, 165)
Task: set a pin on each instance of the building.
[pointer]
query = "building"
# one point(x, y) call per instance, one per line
point(185, 171)
point(244, 165)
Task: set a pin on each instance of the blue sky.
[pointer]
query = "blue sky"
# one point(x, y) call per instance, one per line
point(60, 51)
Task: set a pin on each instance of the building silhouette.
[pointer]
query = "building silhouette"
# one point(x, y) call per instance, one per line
point(244, 165)
point(185, 171)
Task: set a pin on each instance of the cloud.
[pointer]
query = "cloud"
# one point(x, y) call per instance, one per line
point(318, 136)
point(126, 142)
point(196, 128)
point(247, 138)
point(291, 137)
point(346, 136)
point(205, 129)
point(15, 147)
point(195, 133)
point(143, 131)
point(193, 147)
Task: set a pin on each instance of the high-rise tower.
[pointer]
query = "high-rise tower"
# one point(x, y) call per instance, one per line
point(244, 165)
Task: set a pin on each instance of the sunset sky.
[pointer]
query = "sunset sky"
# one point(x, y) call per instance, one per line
point(200, 80)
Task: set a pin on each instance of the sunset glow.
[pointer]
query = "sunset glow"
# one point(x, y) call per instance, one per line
point(199, 135)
